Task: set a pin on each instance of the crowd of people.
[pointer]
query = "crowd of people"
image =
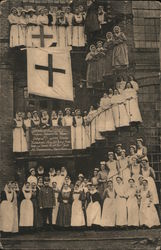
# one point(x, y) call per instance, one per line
point(122, 192)
point(106, 57)
point(64, 25)
point(118, 108)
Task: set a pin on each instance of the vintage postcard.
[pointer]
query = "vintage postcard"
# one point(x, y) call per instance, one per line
point(80, 126)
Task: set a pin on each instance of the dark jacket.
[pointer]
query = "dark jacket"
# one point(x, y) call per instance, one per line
point(91, 21)
point(46, 197)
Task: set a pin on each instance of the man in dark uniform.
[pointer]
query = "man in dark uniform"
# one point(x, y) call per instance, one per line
point(92, 25)
point(46, 202)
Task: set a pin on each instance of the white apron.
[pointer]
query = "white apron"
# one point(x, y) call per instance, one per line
point(77, 217)
point(109, 211)
point(7, 214)
point(26, 211)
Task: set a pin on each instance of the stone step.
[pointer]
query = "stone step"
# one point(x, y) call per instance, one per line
point(110, 239)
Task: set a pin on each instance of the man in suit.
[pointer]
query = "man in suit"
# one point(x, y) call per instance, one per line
point(46, 201)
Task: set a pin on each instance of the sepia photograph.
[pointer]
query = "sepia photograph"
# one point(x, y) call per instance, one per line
point(80, 125)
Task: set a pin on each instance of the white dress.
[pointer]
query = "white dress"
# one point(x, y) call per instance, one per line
point(132, 207)
point(42, 21)
point(112, 166)
point(121, 209)
point(92, 121)
point(19, 138)
point(106, 120)
point(78, 38)
point(7, 213)
point(148, 213)
point(124, 170)
point(26, 211)
point(86, 131)
point(32, 179)
point(14, 30)
point(62, 32)
point(15, 207)
point(55, 209)
point(151, 184)
point(77, 217)
point(69, 28)
point(135, 170)
point(135, 85)
point(93, 212)
point(109, 209)
point(68, 121)
point(79, 133)
point(32, 29)
point(22, 30)
point(121, 117)
point(59, 180)
point(132, 107)
point(54, 122)
point(53, 28)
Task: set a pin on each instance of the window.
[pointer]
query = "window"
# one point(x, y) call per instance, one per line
point(146, 32)
point(152, 29)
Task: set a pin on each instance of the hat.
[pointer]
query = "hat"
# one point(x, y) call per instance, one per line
point(119, 145)
point(77, 110)
point(44, 112)
point(40, 9)
point(145, 159)
point(116, 28)
point(13, 8)
point(92, 46)
point(23, 10)
point(110, 153)
point(96, 169)
point(40, 168)
point(119, 177)
point(34, 112)
point(31, 169)
point(67, 109)
point(109, 181)
point(123, 150)
point(131, 179)
point(99, 42)
point(109, 33)
point(102, 162)
point(46, 178)
point(31, 10)
point(139, 139)
point(133, 146)
point(81, 175)
point(89, 183)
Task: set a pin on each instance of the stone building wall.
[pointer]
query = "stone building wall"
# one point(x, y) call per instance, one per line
point(144, 62)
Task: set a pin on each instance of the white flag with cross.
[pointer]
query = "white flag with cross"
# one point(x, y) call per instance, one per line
point(49, 73)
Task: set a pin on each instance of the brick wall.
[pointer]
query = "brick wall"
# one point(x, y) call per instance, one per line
point(145, 62)
point(6, 101)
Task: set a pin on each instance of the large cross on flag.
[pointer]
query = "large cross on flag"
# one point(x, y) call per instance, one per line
point(50, 69)
point(49, 73)
point(42, 36)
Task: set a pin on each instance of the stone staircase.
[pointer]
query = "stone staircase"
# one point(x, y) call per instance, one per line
point(128, 136)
